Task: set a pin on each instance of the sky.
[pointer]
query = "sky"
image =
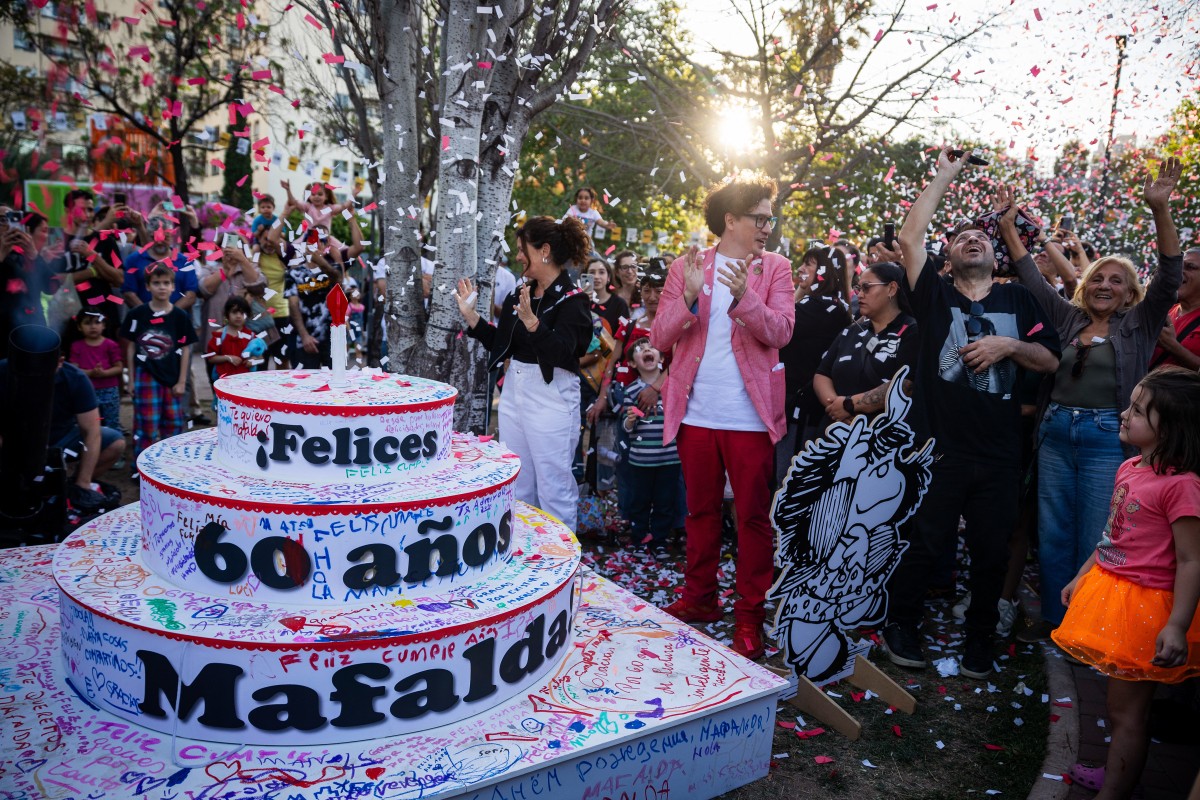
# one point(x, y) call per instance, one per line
point(1045, 72)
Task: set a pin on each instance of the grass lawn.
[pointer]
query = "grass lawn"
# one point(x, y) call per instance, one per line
point(967, 738)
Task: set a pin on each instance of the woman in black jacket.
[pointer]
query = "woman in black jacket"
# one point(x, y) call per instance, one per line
point(544, 327)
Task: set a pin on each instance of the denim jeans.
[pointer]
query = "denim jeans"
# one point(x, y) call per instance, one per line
point(109, 401)
point(1077, 467)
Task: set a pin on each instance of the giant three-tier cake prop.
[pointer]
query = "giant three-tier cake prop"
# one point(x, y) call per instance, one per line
point(333, 593)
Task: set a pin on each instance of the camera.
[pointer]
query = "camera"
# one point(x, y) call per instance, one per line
point(120, 199)
point(14, 220)
point(889, 235)
point(229, 240)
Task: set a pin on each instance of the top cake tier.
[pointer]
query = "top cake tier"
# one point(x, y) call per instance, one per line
point(292, 425)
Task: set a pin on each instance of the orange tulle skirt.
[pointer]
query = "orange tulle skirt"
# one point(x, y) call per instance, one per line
point(1112, 624)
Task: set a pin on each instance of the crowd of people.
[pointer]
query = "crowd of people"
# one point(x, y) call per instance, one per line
point(1060, 388)
point(1060, 391)
point(137, 296)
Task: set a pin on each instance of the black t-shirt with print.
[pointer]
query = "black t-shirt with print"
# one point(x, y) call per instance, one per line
point(974, 415)
point(310, 287)
point(159, 339)
point(861, 359)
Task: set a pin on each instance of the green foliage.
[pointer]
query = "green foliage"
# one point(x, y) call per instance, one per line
point(597, 139)
point(237, 168)
point(163, 69)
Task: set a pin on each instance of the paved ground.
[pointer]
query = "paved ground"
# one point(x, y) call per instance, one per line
point(1081, 731)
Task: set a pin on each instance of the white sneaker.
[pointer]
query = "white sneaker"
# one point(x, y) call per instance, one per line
point(1008, 615)
point(960, 608)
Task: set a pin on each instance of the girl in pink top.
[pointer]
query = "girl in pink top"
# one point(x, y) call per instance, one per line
point(1131, 611)
point(100, 360)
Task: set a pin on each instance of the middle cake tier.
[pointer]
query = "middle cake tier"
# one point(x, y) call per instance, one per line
point(211, 529)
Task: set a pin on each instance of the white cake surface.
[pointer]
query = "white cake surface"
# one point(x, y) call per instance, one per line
point(293, 425)
point(126, 631)
point(336, 530)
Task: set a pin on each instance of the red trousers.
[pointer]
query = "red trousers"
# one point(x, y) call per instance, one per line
point(749, 459)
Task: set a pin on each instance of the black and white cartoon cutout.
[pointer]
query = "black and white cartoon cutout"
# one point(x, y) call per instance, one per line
point(837, 516)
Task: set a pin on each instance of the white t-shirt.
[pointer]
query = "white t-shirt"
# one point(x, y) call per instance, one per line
point(505, 283)
point(719, 398)
point(588, 218)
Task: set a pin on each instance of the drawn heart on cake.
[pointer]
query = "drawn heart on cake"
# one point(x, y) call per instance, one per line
point(374, 772)
point(222, 771)
point(331, 774)
point(98, 680)
point(293, 624)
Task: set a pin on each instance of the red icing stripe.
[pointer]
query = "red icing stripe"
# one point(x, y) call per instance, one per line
point(338, 509)
point(332, 411)
point(351, 644)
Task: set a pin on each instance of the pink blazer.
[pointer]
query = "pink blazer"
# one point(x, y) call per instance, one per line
point(763, 321)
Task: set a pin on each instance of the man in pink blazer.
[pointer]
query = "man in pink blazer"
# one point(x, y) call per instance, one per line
point(726, 312)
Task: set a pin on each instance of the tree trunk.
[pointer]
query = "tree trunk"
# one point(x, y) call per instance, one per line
point(396, 23)
point(448, 354)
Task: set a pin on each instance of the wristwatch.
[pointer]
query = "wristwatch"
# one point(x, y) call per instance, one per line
point(848, 404)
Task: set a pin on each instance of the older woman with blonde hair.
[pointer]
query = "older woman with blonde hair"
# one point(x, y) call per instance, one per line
point(1108, 331)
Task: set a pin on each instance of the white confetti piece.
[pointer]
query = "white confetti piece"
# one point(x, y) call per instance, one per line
point(867, 763)
point(946, 667)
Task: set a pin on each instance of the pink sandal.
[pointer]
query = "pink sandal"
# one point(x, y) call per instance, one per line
point(1088, 775)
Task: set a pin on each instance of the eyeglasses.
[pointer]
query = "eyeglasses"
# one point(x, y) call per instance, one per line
point(1081, 354)
point(627, 266)
point(864, 285)
point(761, 220)
point(977, 320)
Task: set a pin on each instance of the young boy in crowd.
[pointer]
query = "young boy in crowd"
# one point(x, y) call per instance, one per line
point(228, 343)
point(654, 466)
point(266, 214)
point(100, 359)
point(158, 349)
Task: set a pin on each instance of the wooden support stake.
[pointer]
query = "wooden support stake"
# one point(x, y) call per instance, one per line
point(868, 676)
point(811, 700)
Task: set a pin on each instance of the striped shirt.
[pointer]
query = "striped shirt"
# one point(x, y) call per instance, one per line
point(646, 448)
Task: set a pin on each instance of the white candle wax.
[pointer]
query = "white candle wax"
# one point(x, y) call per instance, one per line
point(337, 349)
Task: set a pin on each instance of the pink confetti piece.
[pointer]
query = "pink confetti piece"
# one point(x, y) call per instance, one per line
point(823, 760)
point(1035, 70)
point(1037, 14)
point(1035, 329)
point(311, 21)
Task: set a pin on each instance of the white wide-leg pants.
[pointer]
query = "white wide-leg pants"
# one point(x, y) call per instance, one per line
point(539, 422)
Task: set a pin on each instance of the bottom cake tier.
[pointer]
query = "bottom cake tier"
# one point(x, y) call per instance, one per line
point(640, 705)
point(224, 669)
